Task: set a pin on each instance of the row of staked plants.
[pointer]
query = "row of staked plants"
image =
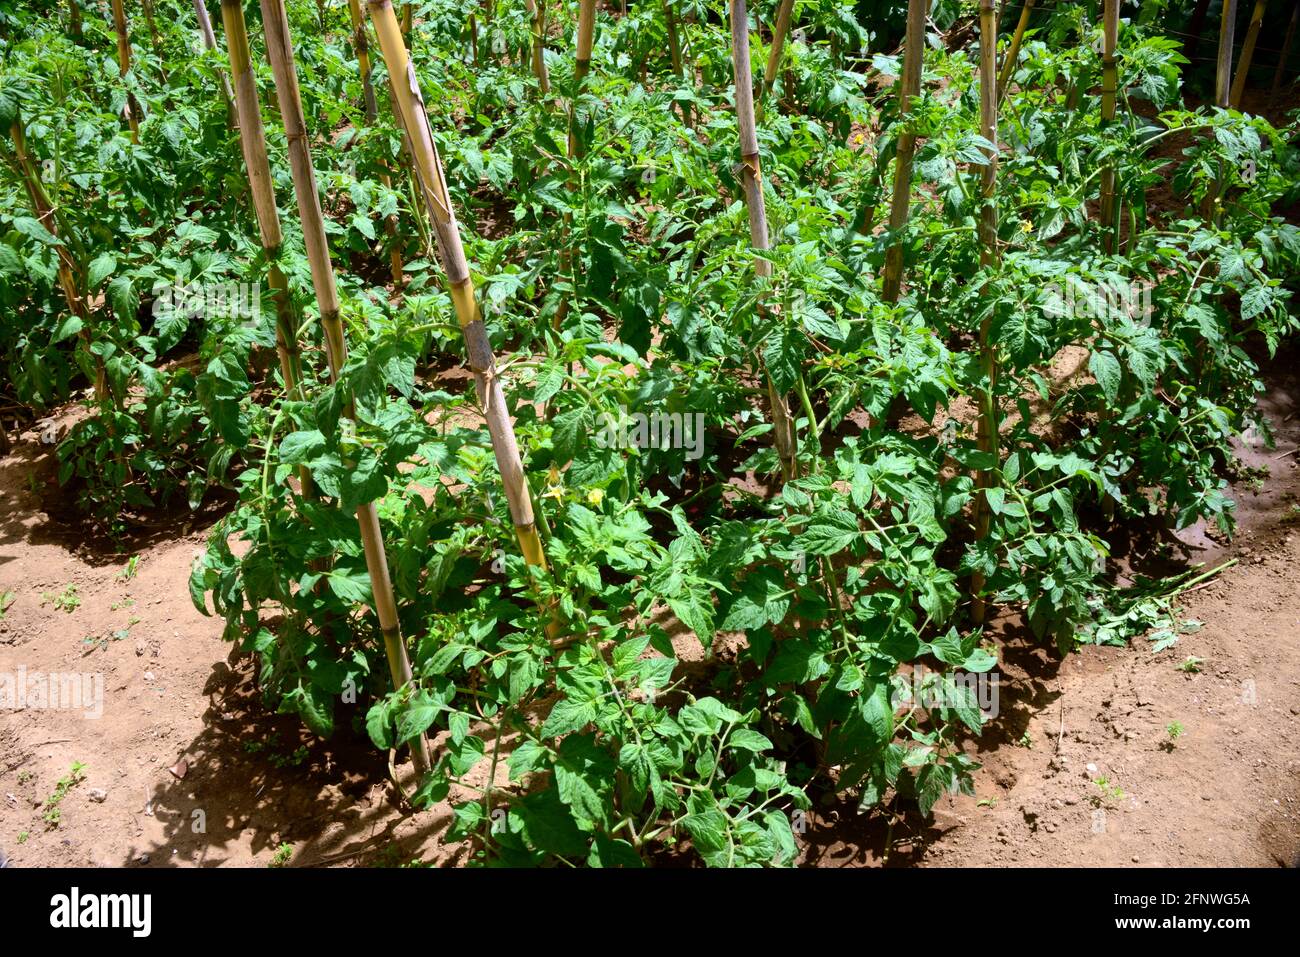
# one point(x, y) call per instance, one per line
point(904, 402)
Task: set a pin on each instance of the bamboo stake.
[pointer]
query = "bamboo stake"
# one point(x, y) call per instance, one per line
point(1286, 48)
point(210, 43)
point(910, 86)
point(154, 37)
point(433, 188)
point(280, 51)
point(675, 54)
point(252, 142)
point(783, 15)
point(362, 47)
point(581, 65)
point(1013, 51)
point(537, 13)
point(74, 20)
point(987, 437)
point(1109, 89)
point(1247, 53)
point(68, 270)
point(1223, 66)
point(674, 40)
point(751, 172)
point(124, 65)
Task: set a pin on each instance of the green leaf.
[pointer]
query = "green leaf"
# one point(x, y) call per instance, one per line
point(101, 267)
point(568, 715)
point(1106, 370)
point(748, 740)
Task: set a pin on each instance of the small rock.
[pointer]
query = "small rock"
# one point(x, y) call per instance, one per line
point(1135, 858)
point(98, 795)
point(148, 676)
point(180, 769)
point(1092, 769)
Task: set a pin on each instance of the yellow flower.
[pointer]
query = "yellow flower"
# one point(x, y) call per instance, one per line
point(595, 496)
point(1026, 226)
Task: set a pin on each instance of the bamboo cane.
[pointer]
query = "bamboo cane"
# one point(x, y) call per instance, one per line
point(124, 65)
point(987, 437)
point(1109, 89)
point(154, 37)
point(1223, 66)
point(362, 47)
point(210, 43)
point(252, 141)
point(581, 65)
point(44, 211)
point(674, 39)
point(280, 51)
point(909, 86)
point(537, 14)
point(1247, 53)
point(751, 172)
point(675, 54)
point(783, 15)
point(433, 188)
point(1013, 51)
point(1286, 48)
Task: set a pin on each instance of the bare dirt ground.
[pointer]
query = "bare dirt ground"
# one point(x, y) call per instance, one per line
point(185, 766)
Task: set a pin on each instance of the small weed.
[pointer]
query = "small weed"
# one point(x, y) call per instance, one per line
point(53, 812)
point(1026, 740)
point(1175, 731)
point(129, 569)
point(24, 776)
point(1110, 792)
point(281, 856)
point(23, 836)
point(67, 600)
point(95, 642)
point(290, 760)
point(124, 603)
point(1191, 665)
point(6, 602)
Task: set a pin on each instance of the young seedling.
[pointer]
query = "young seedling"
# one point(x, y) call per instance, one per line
point(1175, 731)
point(282, 855)
point(129, 569)
point(1191, 665)
point(53, 811)
point(1110, 792)
point(67, 600)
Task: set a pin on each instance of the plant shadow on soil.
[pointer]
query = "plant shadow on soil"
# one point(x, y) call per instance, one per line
point(258, 772)
point(62, 523)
